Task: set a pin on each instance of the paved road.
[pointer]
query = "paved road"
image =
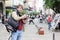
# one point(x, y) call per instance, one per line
point(31, 32)
point(3, 33)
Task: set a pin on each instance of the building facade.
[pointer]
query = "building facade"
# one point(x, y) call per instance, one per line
point(2, 9)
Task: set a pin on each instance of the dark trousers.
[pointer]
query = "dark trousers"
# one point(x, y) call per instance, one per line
point(49, 25)
point(59, 25)
point(31, 21)
point(41, 21)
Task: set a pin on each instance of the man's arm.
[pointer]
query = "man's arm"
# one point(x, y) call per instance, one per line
point(16, 17)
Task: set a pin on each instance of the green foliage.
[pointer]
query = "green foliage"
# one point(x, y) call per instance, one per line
point(53, 4)
point(36, 13)
point(49, 3)
point(8, 11)
point(58, 0)
point(23, 12)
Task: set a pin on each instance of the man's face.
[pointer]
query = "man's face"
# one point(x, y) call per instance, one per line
point(19, 9)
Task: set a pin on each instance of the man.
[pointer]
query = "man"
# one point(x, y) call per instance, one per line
point(31, 19)
point(49, 21)
point(41, 18)
point(17, 16)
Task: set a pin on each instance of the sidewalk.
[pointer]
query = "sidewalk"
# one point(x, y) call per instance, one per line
point(3, 33)
point(30, 33)
point(57, 36)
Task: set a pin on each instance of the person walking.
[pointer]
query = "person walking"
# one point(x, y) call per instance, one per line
point(41, 18)
point(31, 19)
point(49, 19)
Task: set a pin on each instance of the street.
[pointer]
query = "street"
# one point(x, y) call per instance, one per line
point(30, 32)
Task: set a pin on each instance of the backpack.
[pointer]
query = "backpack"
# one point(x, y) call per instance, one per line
point(11, 24)
point(11, 21)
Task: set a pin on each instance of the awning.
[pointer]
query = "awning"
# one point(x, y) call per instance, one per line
point(3, 0)
point(8, 7)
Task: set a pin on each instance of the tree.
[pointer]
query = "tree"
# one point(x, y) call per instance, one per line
point(57, 5)
point(53, 4)
point(49, 3)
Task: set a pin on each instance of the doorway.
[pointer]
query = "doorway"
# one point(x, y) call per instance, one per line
point(1, 11)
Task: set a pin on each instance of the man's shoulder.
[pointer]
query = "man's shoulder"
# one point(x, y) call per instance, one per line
point(14, 12)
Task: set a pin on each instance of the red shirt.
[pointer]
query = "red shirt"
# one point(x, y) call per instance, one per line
point(49, 19)
point(20, 25)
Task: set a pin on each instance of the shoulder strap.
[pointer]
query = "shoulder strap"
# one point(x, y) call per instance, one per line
point(12, 17)
point(18, 13)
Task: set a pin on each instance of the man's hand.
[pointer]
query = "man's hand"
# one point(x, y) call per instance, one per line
point(5, 19)
point(24, 16)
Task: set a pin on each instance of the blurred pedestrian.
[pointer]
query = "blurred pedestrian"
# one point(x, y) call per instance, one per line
point(31, 19)
point(49, 19)
point(41, 18)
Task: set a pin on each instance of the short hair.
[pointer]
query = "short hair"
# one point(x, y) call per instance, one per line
point(19, 6)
